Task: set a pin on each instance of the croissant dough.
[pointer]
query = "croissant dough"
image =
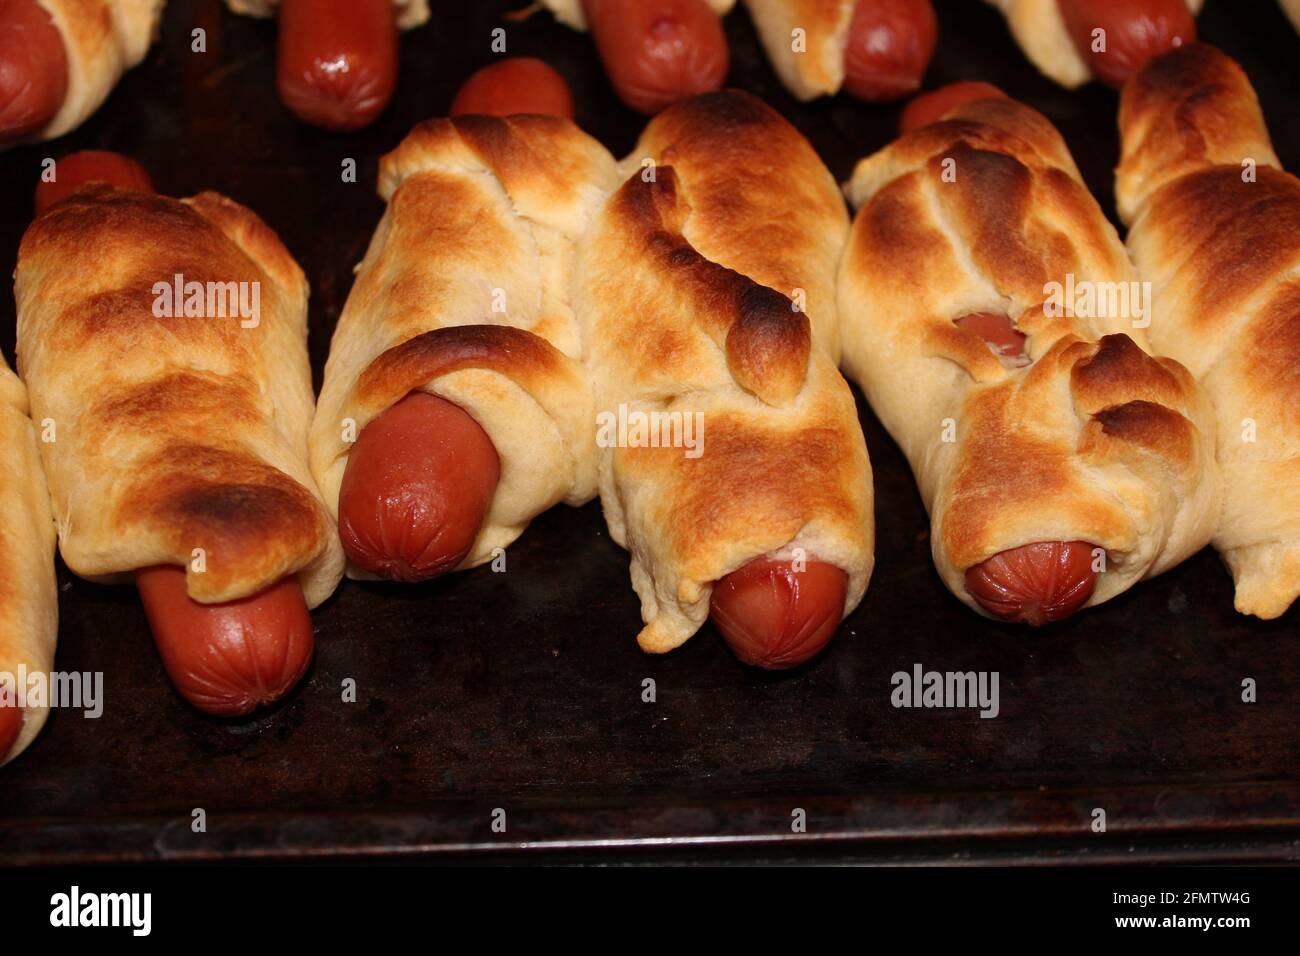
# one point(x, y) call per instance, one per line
point(1039, 29)
point(1223, 257)
point(172, 434)
point(670, 327)
point(1095, 440)
point(463, 293)
point(103, 39)
point(570, 12)
point(29, 607)
point(817, 70)
point(410, 13)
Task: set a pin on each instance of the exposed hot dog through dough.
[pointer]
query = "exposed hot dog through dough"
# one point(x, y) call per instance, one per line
point(33, 70)
point(775, 615)
point(418, 484)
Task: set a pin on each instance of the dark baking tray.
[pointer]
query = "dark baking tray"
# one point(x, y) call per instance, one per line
point(522, 690)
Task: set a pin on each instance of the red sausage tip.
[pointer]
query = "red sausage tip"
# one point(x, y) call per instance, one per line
point(11, 723)
point(1036, 583)
point(418, 484)
point(774, 617)
point(227, 659)
point(521, 84)
point(933, 106)
point(33, 69)
point(91, 166)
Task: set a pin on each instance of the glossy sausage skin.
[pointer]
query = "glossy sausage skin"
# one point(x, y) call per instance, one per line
point(418, 484)
point(1036, 583)
point(520, 84)
point(91, 166)
point(337, 65)
point(226, 659)
point(657, 52)
point(933, 106)
point(775, 617)
point(1135, 31)
point(11, 721)
point(889, 47)
point(33, 70)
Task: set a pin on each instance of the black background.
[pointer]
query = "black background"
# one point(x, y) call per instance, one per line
point(522, 690)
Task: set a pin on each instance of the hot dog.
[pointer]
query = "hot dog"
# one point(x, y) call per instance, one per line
point(518, 85)
point(890, 43)
point(11, 721)
point(996, 330)
point(337, 65)
point(658, 51)
point(773, 616)
point(1133, 33)
point(418, 484)
point(933, 106)
point(225, 659)
point(88, 166)
point(1036, 583)
point(33, 70)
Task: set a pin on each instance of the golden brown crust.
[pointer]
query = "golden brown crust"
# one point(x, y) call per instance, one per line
point(1094, 440)
point(1191, 108)
point(1219, 241)
point(172, 433)
point(816, 67)
point(678, 319)
point(28, 600)
point(765, 338)
point(748, 171)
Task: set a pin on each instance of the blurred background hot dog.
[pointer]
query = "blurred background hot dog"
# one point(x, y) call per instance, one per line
point(1074, 41)
point(655, 52)
point(337, 60)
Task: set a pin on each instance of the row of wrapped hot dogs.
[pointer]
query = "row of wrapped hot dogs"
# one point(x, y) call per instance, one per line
point(521, 282)
point(337, 62)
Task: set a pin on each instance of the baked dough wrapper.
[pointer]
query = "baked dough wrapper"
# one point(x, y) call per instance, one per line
point(1095, 440)
point(684, 287)
point(29, 606)
point(464, 294)
point(172, 434)
point(1215, 228)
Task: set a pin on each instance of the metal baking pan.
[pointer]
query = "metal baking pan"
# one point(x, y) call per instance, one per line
point(522, 691)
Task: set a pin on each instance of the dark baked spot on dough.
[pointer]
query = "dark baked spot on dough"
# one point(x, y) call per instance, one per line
point(179, 396)
point(1119, 364)
point(223, 500)
point(767, 341)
